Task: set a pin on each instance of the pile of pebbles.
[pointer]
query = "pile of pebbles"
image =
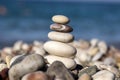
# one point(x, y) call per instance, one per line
point(60, 58)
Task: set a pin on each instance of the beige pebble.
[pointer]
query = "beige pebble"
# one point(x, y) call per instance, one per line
point(111, 69)
point(38, 50)
point(69, 63)
point(93, 51)
point(25, 47)
point(59, 49)
point(77, 61)
point(97, 56)
point(2, 66)
point(109, 61)
point(83, 44)
point(38, 43)
point(4, 54)
point(7, 50)
point(8, 59)
point(82, 56)
point(60, 19)
point(84, 76)
point(94, 42)
point(102, 47)
point(17, 46)
point(103, 75)
point(59, 36)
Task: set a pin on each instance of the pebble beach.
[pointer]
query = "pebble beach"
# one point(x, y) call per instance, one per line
point(62, 57)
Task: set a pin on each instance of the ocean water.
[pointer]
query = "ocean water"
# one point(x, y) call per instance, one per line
point(30, 20)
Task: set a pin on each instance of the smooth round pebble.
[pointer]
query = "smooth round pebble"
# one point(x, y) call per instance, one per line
point(69, 63)
point(60, 19)
point(59, 49)
point(103, 75)
point(39, 75)
point(29, 64)
point(61, 28)
point(61, 37)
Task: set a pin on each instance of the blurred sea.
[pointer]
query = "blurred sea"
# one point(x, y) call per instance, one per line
point(30, 20)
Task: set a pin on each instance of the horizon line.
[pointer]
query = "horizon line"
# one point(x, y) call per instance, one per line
point(104, 1)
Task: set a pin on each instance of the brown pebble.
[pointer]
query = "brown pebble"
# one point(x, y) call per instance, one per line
point(84, 76)
point(61, 28)
point(36, 76)
point(4, 74)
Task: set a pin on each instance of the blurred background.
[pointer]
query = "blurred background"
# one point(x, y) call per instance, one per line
point(29, 20)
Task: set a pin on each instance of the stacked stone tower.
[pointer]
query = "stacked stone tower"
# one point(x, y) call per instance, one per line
point(58, 48)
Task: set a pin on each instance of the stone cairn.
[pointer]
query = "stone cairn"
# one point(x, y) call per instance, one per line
point(61, 58)
point(58, 48)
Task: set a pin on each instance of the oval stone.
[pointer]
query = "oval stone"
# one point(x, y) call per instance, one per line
point(39, 75)
point(84, 76)
point(61, 28)
point(69, 63)
point(59, 36)
point(60, 19)
point(58, 71)
point(59, 49)
point(29, 64)
point(103, 75)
